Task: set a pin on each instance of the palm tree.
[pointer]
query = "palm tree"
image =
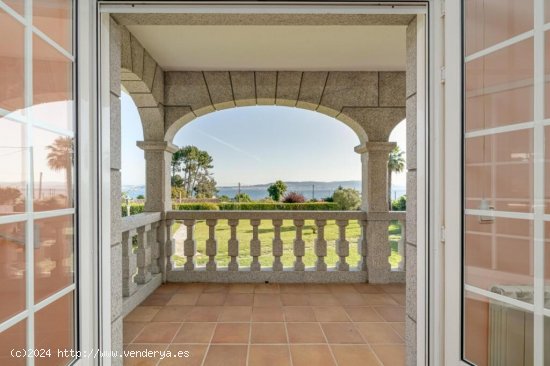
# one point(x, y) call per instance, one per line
point(396, 163)
point(60, 157)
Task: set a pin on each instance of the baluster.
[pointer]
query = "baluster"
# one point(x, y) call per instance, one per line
point(143, 255)
point(169, 247)
point(155, 248)
point(189, 245)
point(401, 246)
point(342, 246)
point(320, 245)
point(299, 246)
point(255, 246)
point(211, 245)
point(362, 246)
point(277, 245)
point(129, 266)
point(233, 246)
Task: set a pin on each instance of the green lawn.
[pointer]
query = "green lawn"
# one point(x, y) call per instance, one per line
point(244, 234)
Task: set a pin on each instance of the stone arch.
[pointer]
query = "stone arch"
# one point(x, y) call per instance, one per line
point(143, 79)
point(370, 103)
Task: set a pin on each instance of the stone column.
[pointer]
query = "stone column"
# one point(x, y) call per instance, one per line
point(158, 156)
point(374, 156)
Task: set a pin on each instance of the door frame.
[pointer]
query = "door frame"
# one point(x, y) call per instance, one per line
point(429, 108)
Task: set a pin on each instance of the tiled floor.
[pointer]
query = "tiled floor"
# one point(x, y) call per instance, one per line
point(270, 324)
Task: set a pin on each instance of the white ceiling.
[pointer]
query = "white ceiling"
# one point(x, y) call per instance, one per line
point(288, 47)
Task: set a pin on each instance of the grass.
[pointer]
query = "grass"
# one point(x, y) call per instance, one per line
point(288, 234)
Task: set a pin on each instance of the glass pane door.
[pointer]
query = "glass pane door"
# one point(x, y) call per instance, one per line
point(37, 191)
point(506, 186)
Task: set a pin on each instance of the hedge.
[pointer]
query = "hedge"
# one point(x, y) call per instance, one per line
point(243, 206)
point(308, 206)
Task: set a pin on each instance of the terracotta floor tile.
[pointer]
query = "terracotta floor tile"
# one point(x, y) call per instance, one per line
point(379, 299)
point(172, 314)
point(317, 289)
point(231, 333)
point(330, 314)
point(267, 288)
point(157, 299)
point(391, 313)
point(294, 299)
point(130, 330)
point(142, 314)
point(241, 288)
point(184, 299)
point(379, 333)
point(348, 299)
point(399, 298)
point(143, 361)
point(211, 299)
point(390, 355)
point(363, 314)
point(239, 299)
point(399, 327)
point(267, 314)
point(268, 299)
point(268, 333)
point(367, 288)
point(158, 333)
point(299, 314)
point(342, 288)
point(168, 288)
point(268, 355)
point(216, 288)
point(305, 333)
point(342, 333)
point(192, 287)
point(292, 288)
point(226, 355)
point(310, 355)
point(195, 333)
point(235, 314)
point(322, 300)
point(354, 355)
point(195, 354)
point(394, 288)
point(203, 314)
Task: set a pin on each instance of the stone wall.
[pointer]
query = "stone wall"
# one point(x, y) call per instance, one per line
point(411, 315)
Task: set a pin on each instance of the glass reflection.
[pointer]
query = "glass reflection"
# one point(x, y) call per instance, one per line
point(13, 338)
point(53, 255)
point(12, 172)
point(53, 170)
point(11, 63)
point(12, 269)
point(54, 18)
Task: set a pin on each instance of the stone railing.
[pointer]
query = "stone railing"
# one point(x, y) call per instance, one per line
point(343, 271)
point(141, 254)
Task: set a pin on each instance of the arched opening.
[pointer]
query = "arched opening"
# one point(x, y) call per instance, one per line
point(398, 166)
point(132, 162)
point(251, 148)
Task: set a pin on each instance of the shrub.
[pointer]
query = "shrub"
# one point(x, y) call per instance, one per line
point(347, 198)
point(135, 208)
point(399, 204)
point(140, 197)
point(242, 197)
point(309, 206)
point(294, 197)
point(276, 190)
point(200, 206)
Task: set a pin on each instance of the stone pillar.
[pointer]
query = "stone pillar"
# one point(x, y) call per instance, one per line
point(158, 156)
point(374, 156)
point(116, 235)
point(410, 245)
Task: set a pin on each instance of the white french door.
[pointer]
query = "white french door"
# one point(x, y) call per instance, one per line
point(497, 175)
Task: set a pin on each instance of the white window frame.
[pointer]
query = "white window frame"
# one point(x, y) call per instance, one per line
point(454, 175)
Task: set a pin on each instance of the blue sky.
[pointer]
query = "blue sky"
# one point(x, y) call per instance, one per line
point(254, 145)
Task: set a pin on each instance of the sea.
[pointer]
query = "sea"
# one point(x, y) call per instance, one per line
point(317, 190)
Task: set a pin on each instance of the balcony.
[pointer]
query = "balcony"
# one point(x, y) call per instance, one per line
point(270, 324)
